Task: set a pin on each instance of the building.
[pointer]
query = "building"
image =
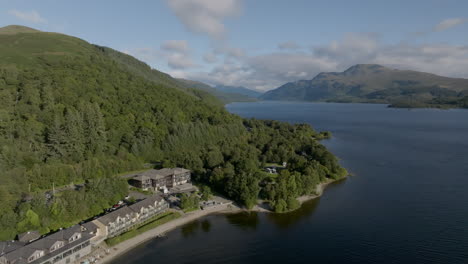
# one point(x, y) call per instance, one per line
point(163, 179)
point(125, 218)
point(62, 247)
point(149, 207)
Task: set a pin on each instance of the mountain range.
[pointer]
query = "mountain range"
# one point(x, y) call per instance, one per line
point(372, 83)
point(239, 90)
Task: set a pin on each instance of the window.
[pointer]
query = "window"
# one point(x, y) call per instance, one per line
point(56, 246)
point(74, 237)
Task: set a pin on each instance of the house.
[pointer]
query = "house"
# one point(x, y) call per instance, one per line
point(62, 247)
point(163, 179)
point(141, 181)
point(149, 207)
point(126, 217)
point(116, 222)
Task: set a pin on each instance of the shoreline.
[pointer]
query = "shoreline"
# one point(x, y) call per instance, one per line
point(127, 245)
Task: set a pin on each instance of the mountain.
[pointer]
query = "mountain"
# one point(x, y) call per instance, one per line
point(225, 96)
point(76, 113)
point(239, 90)
point(373, 83)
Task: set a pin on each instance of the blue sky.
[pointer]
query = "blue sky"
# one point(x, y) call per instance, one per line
point(262, 43)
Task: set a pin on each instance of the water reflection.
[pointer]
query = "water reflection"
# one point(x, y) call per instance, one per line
point(244, 220)
point(206, 225)
point(190, 229)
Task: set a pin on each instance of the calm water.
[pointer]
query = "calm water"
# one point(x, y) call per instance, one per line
point(406, 203)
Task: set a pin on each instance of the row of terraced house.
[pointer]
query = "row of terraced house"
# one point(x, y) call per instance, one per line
point(71, 244)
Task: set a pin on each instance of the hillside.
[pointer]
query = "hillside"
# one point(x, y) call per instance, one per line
point(15, 29)
point(239, 90)
point(377, 84)
point(224, 96)
point(72, 112)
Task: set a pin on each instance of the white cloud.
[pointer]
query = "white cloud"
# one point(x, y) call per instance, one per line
point(180, 46)
point(180, 61)
point(270, 70)
point(205, 16)
point(449, 23)
point(28, 16)
point(289, 45)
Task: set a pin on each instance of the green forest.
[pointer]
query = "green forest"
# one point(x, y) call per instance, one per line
point(76, 113)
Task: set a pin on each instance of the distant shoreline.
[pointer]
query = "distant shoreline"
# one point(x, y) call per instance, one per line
point(127, 245)
point(388, 104)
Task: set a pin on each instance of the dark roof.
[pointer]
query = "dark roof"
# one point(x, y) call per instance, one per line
point(8, 246)
point(22, 253)
point(141, 178)
point(145, 203)
point(90, 227)
point(111, 217)
point(157, 174)
point(29, 236)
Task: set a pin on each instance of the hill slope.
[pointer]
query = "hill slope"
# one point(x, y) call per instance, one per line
point(224, 96)
point(239, 90)
point(15, 29)
point(377, 84)
point(72, 112)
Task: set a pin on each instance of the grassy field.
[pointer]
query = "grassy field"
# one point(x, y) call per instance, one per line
point(157, 221)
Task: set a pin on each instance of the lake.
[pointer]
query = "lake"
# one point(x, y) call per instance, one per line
point(407, 201)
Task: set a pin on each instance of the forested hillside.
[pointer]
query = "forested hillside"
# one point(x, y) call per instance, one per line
point(371, 83)
point(72, 112)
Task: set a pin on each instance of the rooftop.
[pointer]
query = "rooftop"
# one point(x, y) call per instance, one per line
point(158, 174)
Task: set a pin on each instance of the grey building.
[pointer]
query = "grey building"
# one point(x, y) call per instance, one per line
point(162, 179)
point(125, 218)
point(62, 247)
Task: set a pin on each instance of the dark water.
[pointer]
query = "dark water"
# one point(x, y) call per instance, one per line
point(407, 203)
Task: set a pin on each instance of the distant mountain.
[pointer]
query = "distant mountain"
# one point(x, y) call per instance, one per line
point(225, 95)
point(239, 90)
point(373, 83)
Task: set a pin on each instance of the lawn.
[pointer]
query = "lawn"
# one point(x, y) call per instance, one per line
point(155, 222)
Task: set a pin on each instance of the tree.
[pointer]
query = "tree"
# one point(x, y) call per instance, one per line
point(206, 193)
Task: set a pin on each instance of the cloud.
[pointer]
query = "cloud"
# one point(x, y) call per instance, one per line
point(449, 23)
point(180, 46)
point(270, 70)
point(180, 61)
point(210, 57)
point(28, 16)
point(289, 45)
point(205, 16)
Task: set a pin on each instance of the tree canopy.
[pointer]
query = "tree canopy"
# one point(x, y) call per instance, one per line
point(71, 113)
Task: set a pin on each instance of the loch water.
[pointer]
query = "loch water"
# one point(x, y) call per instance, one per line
point(406, 201)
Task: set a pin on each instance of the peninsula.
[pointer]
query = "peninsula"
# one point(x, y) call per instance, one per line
point(75, 117)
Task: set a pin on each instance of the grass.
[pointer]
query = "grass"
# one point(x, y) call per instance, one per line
point(151, 224)
point(141, 191)
point(191, 209)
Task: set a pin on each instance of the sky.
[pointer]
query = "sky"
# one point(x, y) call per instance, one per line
point(262, 44)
